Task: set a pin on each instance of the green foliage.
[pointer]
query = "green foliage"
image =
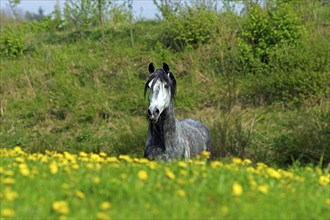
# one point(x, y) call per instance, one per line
point(293, 75)
point(230, 136)
point(190, 26)
point(306, 139)
point(266, 29)
point(12, 42)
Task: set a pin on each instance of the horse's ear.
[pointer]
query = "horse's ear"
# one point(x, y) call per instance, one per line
point(166, 68)
point(151, 68)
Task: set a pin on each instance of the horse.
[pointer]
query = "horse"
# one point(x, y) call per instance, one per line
point(169, 138)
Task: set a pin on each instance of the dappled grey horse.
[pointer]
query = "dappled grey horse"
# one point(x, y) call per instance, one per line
point(168, 137)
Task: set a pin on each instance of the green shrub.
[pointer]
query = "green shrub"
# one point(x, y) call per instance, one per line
point(11, 42)
point(306, 138)
point(231, 136)
point(293, 75)
point(190, 26)
point(266, 29)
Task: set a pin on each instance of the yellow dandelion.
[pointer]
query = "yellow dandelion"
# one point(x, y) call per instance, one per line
point(182, 164)
point(253, 184)
point(20, 160)
point(144, 161)
point(61, 207)
point(216, 163)
point(53, 167)
point(83, 154)
point(90, 166)
point(10, 195)
point(324, 180)
point(24, 169)
point(96, 179)
point(169, 174)
point(9, 181)
point(206, 154)
point(143, 175)
point(237, 161)
point(125, 158)
point(180, 181)
point(7, 213)
point(80, 194)
point(65, 186)
point(123, 176)
point(112, 159)
point(263, 188)
point(183, 173)
point(247, 161)
point(237, 189)
point(102, 154)
point(9, 173)
point(102, 216)
point(181, 193)
point(273, 173)
point(105, 206)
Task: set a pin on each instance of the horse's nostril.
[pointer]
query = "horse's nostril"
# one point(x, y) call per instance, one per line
point(149, 112)
point(157, 111)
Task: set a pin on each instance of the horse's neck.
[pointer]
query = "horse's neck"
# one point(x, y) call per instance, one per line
point(164, 131)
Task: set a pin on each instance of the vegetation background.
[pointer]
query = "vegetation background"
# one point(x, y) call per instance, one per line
point(259, 77)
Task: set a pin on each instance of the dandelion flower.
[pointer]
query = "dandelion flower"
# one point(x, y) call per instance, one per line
point(327, 201)
point(169, 174)
point(182, 164)
point(237, 189)
point(7, 213)
point(53, 167)
point(102, 216)
point(206, 154)
point(263, 188)
point(80, 194)
point(324, 180)
point(181, 193)
point(102, 154)
point(10, 195)
point(9, 181)
point(273, 173)
point(143, 175)
point(24, 169)
point(105, 206)
point(96, 179)
point(61, 207)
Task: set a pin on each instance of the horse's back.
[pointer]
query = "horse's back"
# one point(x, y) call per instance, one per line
point(198, 135)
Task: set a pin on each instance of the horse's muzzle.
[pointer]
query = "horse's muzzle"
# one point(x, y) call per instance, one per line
point(153, 115)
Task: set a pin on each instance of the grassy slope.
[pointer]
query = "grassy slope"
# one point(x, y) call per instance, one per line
point(68, 92)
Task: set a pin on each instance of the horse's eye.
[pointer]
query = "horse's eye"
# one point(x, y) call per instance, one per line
point(166, 86)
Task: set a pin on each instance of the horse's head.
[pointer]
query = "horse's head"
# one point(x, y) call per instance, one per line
point(162, 86)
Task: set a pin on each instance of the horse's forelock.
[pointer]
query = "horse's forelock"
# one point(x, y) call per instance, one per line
point(163, 77)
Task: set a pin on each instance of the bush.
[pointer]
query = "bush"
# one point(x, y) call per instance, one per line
point(266, 29)
point(11, 42)
point(293, 75)
point(190, 26)
point(306, 139)
point(231, 136)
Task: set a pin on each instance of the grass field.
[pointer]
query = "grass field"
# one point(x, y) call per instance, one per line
point(96, 186)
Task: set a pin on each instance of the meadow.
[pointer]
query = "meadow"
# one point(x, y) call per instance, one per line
point(73, 116)
point(98, 186)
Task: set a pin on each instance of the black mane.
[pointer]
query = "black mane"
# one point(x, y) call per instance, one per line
point(161, 75)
